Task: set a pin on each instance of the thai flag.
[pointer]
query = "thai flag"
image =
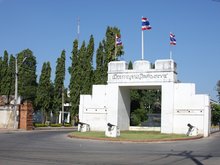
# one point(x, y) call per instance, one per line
point(172, 39)
point(118, 40)
point(145, 24)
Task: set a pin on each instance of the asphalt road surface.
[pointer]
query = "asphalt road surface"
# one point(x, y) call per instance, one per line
point(55, 148)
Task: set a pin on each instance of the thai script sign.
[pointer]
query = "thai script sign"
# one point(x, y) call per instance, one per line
point(141, 77)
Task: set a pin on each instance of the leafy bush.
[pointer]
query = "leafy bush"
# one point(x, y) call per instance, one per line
point(215, 114)
point(67, 125)
point(142, 113)
point(55, 125)
point(51, 125)
point(138, 116)
point(40, 125)
point(135, 119)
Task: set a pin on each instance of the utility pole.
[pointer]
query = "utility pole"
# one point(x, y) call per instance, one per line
point(16, 93)
point(63, 105)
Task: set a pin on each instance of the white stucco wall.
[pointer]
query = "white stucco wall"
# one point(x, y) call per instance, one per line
point(167, 107)
point(190, 108)
point(124, 108)
point(180, 104)
point(6, 117)
point(93, 108)
point(112, 104)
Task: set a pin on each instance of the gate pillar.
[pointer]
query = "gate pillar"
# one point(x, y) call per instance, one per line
point(26, 116)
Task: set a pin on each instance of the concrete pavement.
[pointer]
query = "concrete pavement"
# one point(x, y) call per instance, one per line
point(54, 147)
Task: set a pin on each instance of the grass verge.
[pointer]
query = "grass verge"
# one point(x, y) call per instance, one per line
point(131, 136)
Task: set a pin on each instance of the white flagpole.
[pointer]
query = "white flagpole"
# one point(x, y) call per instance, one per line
point(170, 52)
point(142, 43)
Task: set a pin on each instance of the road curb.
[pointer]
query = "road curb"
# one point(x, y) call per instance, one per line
point(135, 141)
point(54, 128)
point(6, 130)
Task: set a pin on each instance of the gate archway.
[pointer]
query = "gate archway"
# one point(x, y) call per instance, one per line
point(179, 104)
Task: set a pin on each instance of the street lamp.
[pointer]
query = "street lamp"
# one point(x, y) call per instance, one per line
point(16, 91)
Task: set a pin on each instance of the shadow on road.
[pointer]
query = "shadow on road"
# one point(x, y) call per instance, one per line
point(187, 155)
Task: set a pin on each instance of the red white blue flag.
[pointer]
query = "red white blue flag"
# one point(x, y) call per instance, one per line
point(172, 39)
point(118, 41)
point(145, 24)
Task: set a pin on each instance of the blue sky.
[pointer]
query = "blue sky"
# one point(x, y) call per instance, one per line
point(49, 26)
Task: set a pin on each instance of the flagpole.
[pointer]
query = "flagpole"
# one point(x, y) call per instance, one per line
point(170, 52)
point(172, 43)
point(142, 44)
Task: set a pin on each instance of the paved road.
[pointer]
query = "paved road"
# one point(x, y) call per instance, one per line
point(54, 147)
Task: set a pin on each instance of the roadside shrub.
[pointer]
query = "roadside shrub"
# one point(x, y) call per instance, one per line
point(67, 125)
point(135, 119)
point(51, 125)
point(40, 125)
point(55, 125)
point(215, 114)
point(141, 113)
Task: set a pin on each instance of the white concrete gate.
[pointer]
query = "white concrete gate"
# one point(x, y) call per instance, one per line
point(179, 104)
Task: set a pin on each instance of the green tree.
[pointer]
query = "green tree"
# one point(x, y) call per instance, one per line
point(27, 78)
point(82, 68)
point(130, 65)
point(7, 74)
point(59, 82)
point(215, 114)
point(98, 73)
point(75, 78)
point(109, 49)
point(150, 100)
point(137, 116)
point(44, 91)
point(218, 90)
point(4, 88)
point(11, 75)
point(88, 67)
point(1, 76)
point(144, 102)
